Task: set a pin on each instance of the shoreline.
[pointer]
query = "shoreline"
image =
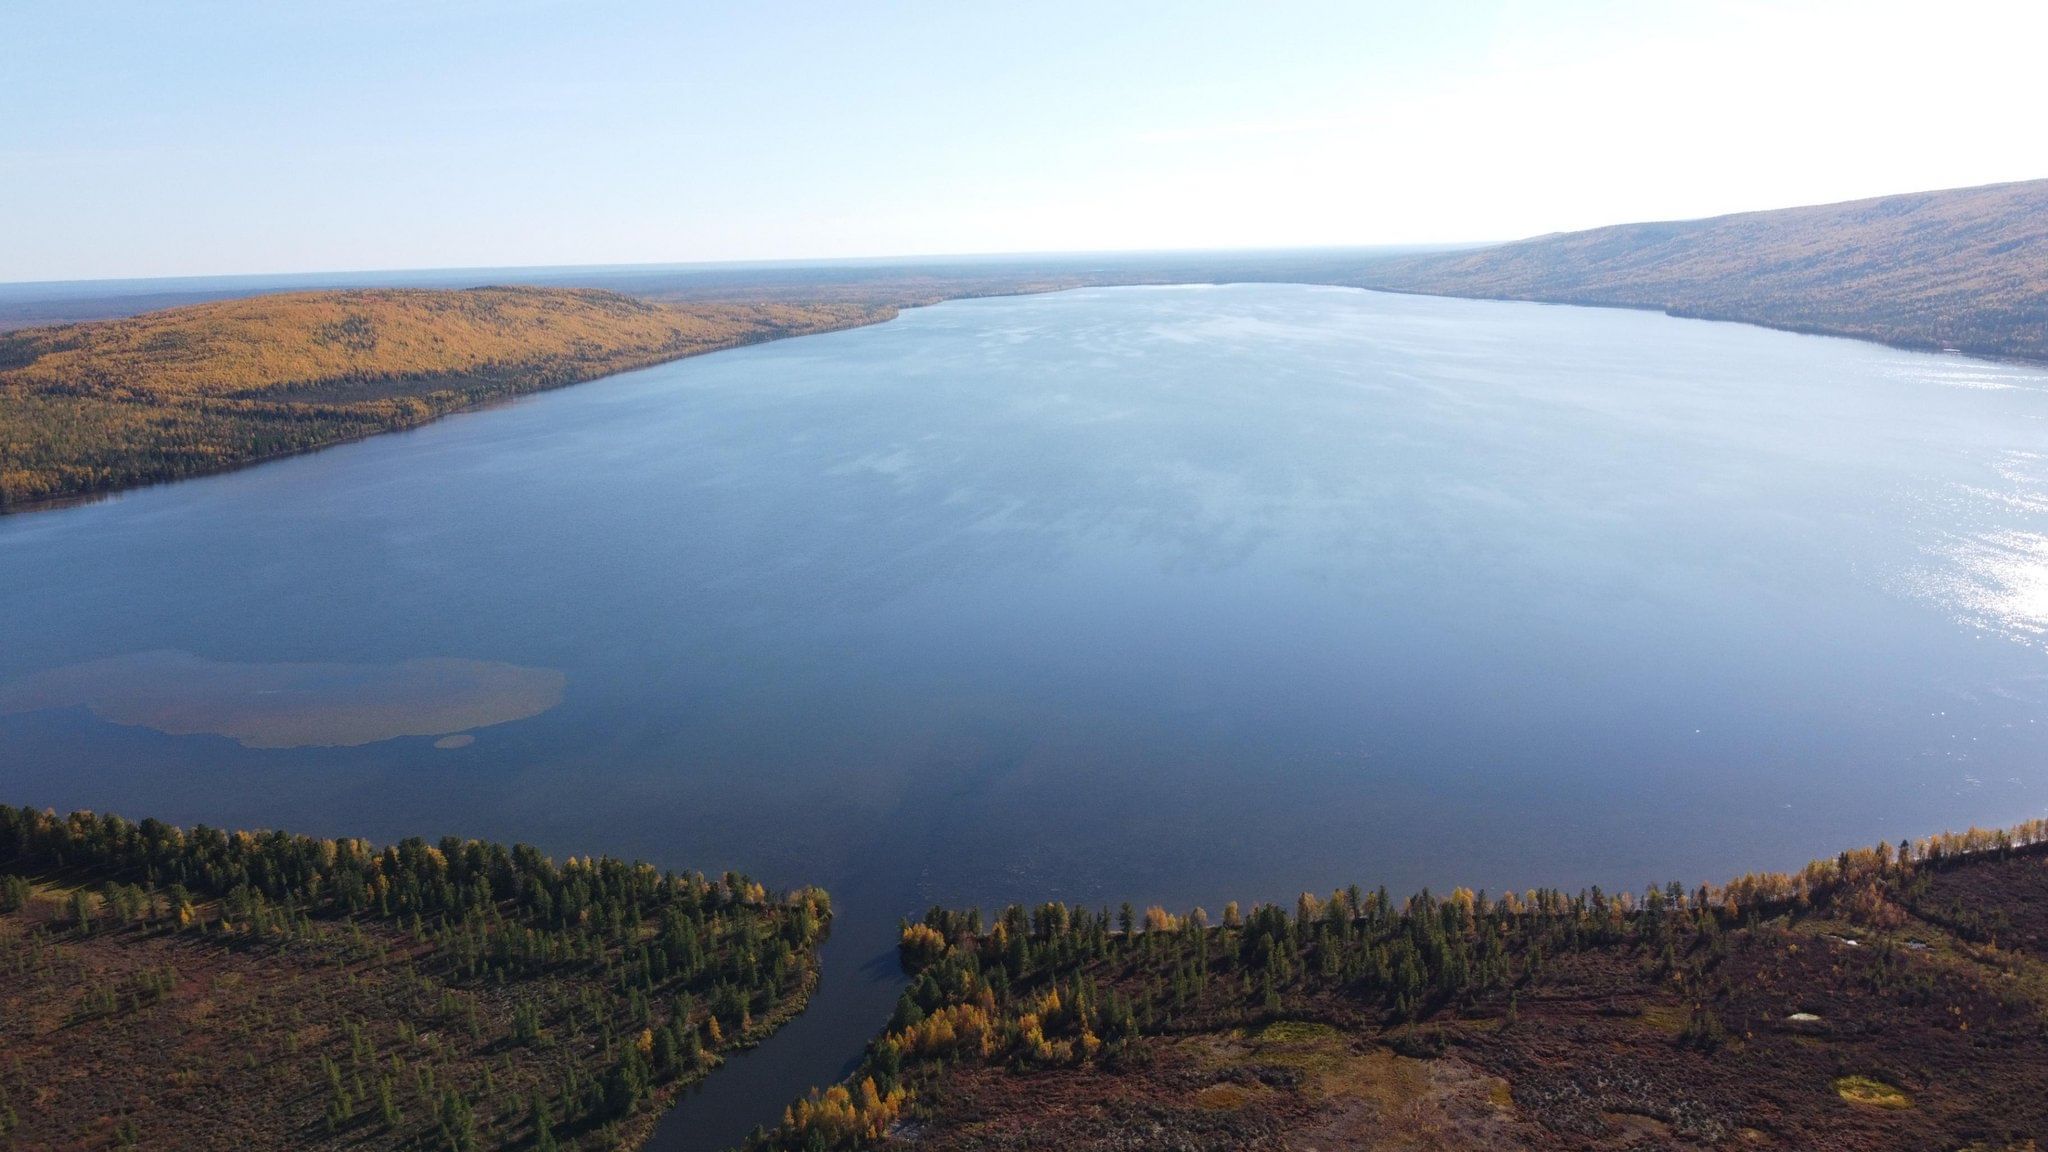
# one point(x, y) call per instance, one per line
point(86, 499)
point(1718, 318)
point(881, 315)
point(1778, 889)
point(1811, 896)
point(885, 312)
point(641, 1128)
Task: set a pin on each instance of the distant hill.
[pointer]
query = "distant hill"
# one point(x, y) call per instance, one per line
point(88, 408)
point(1964, 269)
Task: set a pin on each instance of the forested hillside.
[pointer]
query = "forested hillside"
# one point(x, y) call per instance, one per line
point(1964, 269)
point(1893, 997)
point(93, 407)
point(167, 989)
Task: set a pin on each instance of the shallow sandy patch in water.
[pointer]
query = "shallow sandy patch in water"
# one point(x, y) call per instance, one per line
point(292, 705)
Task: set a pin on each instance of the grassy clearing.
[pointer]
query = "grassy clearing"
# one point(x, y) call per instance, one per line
point(1871, 1092)
point(1295, 1032)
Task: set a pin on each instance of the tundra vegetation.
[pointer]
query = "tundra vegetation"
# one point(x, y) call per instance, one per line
point(1892, 997)
point(162, 988)
point(93, 407)
point(1965, 269)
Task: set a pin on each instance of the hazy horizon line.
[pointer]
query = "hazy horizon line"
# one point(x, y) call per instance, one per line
point(897, 259)
point(763, 263)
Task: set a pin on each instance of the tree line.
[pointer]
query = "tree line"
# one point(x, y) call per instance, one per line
point(1060, 986)
point(626, 978)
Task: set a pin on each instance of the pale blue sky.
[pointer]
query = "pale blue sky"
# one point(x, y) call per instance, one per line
point(154, 138)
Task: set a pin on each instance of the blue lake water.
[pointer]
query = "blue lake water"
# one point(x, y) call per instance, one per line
point(1173, 595)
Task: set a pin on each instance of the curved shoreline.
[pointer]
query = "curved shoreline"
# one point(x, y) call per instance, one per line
point(857, 987)
point(883, 309)
point(880, 315)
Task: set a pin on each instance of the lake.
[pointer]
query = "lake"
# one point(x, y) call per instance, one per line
point(1174, 595)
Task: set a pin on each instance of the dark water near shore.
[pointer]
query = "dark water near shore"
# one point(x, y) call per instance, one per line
point(1161, 595)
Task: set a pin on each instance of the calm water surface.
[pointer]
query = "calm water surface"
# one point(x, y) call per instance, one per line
point(1162, 595)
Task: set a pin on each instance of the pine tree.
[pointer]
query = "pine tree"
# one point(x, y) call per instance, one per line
point(458, 1123)
point(543, 1127)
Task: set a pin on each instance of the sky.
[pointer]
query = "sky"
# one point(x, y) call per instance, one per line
point(196, 138)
